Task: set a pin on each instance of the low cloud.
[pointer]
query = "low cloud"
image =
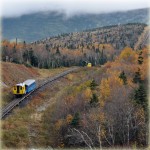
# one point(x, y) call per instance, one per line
point(16, 8)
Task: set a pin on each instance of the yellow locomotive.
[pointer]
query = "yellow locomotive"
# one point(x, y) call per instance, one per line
point(89, 64)
point(25, 87)
point(19, 89)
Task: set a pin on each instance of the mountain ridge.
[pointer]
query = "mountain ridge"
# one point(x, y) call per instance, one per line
point(39, 25)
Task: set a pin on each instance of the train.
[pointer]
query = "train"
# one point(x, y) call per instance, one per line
point(24, 88)
point(89, 64)
point(86, 63)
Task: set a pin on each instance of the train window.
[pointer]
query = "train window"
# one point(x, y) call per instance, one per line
point(20, 88)
point(14, 88)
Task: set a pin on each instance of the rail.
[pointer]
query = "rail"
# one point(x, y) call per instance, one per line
point(16, 102)
point(145, 39)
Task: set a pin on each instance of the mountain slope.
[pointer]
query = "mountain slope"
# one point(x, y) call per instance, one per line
point(119, 36)
point(40, 25)
point(17, 73)
point(97, 46)
point(143, 39)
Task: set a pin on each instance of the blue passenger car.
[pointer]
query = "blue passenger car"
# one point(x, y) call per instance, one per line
point(30, 85)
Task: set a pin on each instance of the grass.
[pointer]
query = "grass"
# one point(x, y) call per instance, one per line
point(7, 96)
point(50, 72)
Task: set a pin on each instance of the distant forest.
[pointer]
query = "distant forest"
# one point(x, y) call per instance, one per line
point(96, 46)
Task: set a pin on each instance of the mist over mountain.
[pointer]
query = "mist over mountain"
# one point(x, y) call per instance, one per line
point(37, 26)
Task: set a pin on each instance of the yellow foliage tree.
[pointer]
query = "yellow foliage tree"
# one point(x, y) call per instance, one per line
point(69, 119)
point(87, 94)
point(70, 76)
point(128, 55)
point(58, 124)
point(106, 87)
point(104, 91)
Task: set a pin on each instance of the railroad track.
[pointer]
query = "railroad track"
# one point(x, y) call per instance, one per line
point(16, 102)
point(143, 39)
point(146, 39)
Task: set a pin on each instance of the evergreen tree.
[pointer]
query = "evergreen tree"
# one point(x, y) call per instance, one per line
point(76, 119)
point(33, 59)
point(47, 46)
point(93, 84)
point(24, 43)
point(57, 51)
point(140, 58)
point(123, 77)
point(83, 63)
point(14, 49)
point(92, 61)
point(97, 50)
point(141, 96)
point(137, 77)
point(103, 58)
point(94, 99)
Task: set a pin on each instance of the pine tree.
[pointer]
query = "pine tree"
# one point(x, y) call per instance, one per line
point(47, 46)
point(93, 84)
point(137, 77)
point(140, 58)
point(84, 63)
point(123, 77)
point(94, 99)
point(24, 43)
point(76, 119)
point(57, 51)
point(141, 96)
point(102, 58)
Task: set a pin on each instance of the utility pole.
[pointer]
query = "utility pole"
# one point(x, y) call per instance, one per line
point(16, 41)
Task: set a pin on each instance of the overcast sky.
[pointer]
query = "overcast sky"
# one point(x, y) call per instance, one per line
point(15, 8)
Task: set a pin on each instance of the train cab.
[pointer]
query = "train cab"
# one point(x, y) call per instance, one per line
point(89, 65)
point(19, 89)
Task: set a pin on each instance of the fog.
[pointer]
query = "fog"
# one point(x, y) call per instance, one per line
point(16, 8)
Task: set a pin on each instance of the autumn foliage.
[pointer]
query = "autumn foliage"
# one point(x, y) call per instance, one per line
point(114, 112)
point(100, 107)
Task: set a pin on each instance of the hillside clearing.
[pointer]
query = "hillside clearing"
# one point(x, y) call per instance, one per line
point(16, 73)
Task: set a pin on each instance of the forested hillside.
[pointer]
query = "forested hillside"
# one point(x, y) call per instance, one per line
point(97, 107)
point(97, 46)
point(40, 25)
